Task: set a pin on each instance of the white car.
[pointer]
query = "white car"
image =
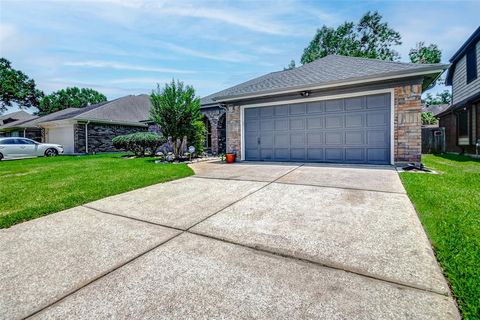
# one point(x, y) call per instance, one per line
point(15, 147)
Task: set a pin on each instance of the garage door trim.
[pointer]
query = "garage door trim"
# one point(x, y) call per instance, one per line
point(339, 96)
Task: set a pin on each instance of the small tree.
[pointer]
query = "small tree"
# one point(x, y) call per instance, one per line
point(424, 54)
point(176, 110)
point(17, 88)
point(290, 66)
point(428, 118)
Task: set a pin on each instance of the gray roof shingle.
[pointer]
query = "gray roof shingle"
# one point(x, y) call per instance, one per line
point(332, 69)
point(128, 110)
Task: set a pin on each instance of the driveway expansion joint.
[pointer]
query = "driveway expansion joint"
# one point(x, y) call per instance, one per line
point(327, 265)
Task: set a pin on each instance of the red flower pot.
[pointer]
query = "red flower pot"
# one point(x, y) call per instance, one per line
point(230, 157)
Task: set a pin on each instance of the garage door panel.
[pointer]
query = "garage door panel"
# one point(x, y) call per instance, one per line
point(296, 109)
point(297, 154)
point(334, 154)
point(315, 154)
point(282, 154)
point(315, 107)
point(281, 111)
point(377, 138)
point(354, 120)
point(334, 105)
point(251, 126)
point(378, 101)
point(282, 140)
point(297, 139)
point(349, 130)
point(354, 104)
point(377, 155)
point(252, 113)
point(354, 138)
point(314, 139)
point(334, 121)
point(375, 119)
point(266, 153)
point(281, 125)
point(297, 124)
point(266, 112)
point(334, 138)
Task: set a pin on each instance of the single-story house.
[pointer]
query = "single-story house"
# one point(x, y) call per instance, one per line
point(9, 125)
point(335, 109)
point(91, 129)
point(462, 119)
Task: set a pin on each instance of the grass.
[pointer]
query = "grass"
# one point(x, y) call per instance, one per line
point(449, 207)
point(32, 188)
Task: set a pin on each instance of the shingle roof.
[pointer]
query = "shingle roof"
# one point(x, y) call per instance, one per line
point(129, 110)
point(18, 115)
point(436, 108)
point(332, 69)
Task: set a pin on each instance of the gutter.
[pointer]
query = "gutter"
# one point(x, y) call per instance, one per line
point(86, 137)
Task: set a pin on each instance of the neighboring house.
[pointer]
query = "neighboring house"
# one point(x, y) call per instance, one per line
point(462, 119)
point(335, 109)
point(435, 109)
point(91, 129)
point(8, 126)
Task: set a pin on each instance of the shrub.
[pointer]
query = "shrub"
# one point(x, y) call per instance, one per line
point(139, 143)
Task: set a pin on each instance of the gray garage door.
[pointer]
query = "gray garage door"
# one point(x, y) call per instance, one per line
point(350, 130)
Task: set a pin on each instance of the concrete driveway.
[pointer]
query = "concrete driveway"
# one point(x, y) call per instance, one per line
point(249, 240)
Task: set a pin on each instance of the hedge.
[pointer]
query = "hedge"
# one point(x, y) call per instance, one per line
point(140, 143)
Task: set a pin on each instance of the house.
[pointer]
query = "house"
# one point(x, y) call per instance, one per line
point(462, 119)
point(90, 129)
point(9, 121)
point(335, 109)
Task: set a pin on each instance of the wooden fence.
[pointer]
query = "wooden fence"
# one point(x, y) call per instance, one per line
point(433, 139)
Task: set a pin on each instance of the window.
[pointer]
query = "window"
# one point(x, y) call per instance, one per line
point(471, 64)
point(25, 141)
point(463, 124)
point(7, 141)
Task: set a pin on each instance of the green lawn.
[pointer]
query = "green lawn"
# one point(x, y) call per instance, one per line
point(31, 188)
point(449, 207)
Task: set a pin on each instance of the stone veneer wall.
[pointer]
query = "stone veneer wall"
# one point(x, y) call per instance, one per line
point(100, 136)
point(233, 130)
point(213, 115)
point(407, 124)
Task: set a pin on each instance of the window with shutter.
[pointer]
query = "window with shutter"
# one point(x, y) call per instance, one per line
point(471, 64)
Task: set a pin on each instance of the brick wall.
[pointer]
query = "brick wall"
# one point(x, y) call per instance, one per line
point(408, 123)
point(233, 130)
point(100, 136)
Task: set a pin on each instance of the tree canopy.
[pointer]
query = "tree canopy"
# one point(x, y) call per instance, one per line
point(16, 88)
point(444, 97)
point(69, 98)
point(425, 54)
point(369, 38)
point(176, 110)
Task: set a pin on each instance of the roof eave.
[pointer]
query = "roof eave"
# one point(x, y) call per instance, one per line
point(387, 76)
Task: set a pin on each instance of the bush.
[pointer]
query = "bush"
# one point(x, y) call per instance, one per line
point(139, 143)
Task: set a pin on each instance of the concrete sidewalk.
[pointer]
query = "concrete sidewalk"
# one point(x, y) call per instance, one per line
point(237, 241)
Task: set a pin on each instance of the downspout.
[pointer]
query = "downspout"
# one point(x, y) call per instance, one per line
point(24, 132)
point(86, 137)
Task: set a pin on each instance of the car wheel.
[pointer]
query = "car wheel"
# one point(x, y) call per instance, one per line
point(51, 152)
point(1, 156)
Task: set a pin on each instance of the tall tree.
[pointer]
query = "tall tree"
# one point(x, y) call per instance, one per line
point(444, 97)
point(290, 66)
point(369, 38)
point(16, 88)
point(425, 54)
point(69, 98)
point(176, 110)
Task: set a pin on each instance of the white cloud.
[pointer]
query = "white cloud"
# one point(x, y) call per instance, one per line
point(230, 56)
point(123, 66)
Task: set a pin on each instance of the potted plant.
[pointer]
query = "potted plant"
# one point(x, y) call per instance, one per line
point(231, 156)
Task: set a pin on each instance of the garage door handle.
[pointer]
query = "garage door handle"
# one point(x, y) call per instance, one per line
point(258, 140)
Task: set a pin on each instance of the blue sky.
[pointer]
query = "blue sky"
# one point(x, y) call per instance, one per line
point(126, 47)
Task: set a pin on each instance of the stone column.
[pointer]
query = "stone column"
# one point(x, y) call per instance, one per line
point(233, 130)
point(408, 123)
point(214, 134)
